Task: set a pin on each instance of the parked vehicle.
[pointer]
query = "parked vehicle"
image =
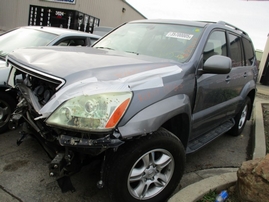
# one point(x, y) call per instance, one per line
point(32, 36)
point(144, 96)
point(101, 31)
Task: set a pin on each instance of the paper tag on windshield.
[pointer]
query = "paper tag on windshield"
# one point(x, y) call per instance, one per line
point(179, 35)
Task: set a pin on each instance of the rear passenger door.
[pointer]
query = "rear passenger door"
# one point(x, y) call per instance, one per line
point(239, 74)
point(243, 58)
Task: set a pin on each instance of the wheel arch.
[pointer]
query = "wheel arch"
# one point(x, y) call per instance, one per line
point(179, 125)
point(251, 95)
point(249, 90)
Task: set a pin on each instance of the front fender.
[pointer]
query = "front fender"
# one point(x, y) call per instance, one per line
point(151, 118)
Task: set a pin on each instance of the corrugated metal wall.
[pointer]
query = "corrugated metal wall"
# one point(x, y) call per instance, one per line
point(15, 13)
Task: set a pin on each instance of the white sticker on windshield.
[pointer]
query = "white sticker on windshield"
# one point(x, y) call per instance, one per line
point(179, 35)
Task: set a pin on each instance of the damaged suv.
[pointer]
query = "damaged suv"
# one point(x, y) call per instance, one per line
point(140, 99)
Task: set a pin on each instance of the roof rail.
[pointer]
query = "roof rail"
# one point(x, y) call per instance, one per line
point(206, 21)
point(226, 24)
point(231, 26)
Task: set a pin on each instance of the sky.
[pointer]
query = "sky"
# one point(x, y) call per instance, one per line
point(250, 16)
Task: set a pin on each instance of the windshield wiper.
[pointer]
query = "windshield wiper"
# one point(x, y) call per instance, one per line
point(132, 52)
point(101, 47)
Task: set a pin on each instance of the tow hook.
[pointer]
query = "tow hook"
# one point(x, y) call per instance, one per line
point(56, 165)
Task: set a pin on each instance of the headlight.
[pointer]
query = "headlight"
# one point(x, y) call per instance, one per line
point(91, 112)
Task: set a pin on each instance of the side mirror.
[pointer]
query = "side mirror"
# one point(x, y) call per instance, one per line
point(217, 64)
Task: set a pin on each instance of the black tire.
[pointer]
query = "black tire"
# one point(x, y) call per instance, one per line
point(162, 174)
point(241, 118)
point(7, 106)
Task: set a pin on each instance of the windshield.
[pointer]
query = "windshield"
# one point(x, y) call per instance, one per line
point(23, 37)
point(169, 41)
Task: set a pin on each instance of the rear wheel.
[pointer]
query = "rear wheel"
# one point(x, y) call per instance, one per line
point(147, 169)
point(241, 118)
point(7, 106)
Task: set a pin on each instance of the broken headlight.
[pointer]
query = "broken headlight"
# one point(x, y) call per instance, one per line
point(91, 112)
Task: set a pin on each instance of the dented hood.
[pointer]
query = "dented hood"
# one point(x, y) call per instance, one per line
point(89, 71)
point(84, 62)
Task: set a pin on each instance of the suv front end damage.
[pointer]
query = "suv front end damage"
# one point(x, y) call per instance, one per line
point(79, 128)
point(139, 99)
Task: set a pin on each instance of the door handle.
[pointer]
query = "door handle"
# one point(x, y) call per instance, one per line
point(245, 75)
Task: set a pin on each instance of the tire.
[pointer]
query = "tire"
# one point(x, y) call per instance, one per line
point(7, 106)
point(241, 118)
point(147, 169)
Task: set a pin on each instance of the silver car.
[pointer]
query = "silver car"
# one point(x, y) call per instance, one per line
point(32, 36)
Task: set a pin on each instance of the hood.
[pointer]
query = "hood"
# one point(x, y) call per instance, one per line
point(89, 71)
point(84, 62)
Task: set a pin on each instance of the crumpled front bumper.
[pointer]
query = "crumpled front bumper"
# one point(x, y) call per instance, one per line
point(105, 142)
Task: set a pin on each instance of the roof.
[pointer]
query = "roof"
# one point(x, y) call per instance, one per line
point(58, 31)
point(194, 23)
point(173, 21)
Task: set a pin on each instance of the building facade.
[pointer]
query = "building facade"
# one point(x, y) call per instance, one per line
point(263, 76)
point(73, 14)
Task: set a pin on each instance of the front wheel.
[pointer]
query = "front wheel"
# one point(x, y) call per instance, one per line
point(241, 118)
point(147, 169)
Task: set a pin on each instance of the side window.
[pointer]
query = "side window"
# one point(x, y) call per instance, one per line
point(235, 50)
point(216, 45)
point(72, 42)
point(62, 43)
point(249, 52)
point(93, 40)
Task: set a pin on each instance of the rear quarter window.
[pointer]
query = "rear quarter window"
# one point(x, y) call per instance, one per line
point(249, 52)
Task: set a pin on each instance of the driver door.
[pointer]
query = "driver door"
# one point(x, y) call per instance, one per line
point(214, 92)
